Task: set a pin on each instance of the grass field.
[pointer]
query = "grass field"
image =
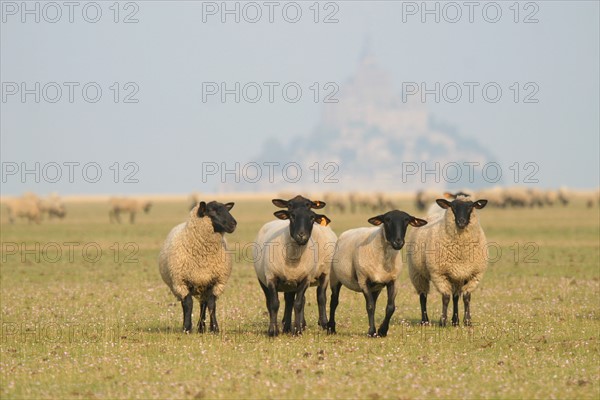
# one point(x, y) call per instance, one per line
point(105, 326)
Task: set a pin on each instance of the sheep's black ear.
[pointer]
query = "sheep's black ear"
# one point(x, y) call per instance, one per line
point(201, 209)
point(417, 222)
point(378, 220)
point(229, 206)
point(443, 203)
point(282, 214)
point(322, 219)
point(317, 204)
point(480, 204)
point(280, 203)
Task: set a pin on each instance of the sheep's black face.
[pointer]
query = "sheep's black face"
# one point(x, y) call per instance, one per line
point(218, 213)
point(147, 207)
point(299, 212)
point(301, 222)
point(395, 224)
point(462, 210)
point(299, 202)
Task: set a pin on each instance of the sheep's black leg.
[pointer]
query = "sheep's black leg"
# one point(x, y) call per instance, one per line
point(424, 317)
point(272, 307)
point(303, 318)
point(467, 302)
point(187, 304)
point(322, 302)
point(455, 319)
point(212, 310)
point(335, 296)
point(389, 309)
point(132, 217)
point(299, 307)
point(202, 320)
point(287, 313)
point(445, 302)
point(273, 301)
point(370, 301)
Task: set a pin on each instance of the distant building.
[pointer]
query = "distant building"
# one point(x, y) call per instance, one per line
point(374, 140)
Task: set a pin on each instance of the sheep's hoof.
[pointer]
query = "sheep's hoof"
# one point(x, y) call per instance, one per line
point(201, 327)
point(425, 323)
point(382, 333)
point(372, 334)
point(468, 322)
point(455, 322)
point(273, 332)
point(442, 323)
point(330, 329)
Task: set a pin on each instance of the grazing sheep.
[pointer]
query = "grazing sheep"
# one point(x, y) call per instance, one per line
point(518, 197)
point(194, 261)
point(53, 206)
point(367, 260)
point(425, 198)
point(451, 252)
point(286, 259)
point(24, 207)
point(564, 195)
point(124, 205)
point(496, 196)
point(335, 201)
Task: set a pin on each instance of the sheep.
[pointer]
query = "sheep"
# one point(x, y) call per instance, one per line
point(335, 200)
point(451, 252)
point(367, 260)
point(53, 206)
point(564, 195)
point(325, 240)
point(518, 197)
point(131, 206)
point(286, 260)
point(424, 198)
point(496, 196)
point(24, 207)
point(194, 261)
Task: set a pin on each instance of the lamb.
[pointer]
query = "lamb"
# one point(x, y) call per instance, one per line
point(286, 260)
point(367, 260)
point(194, 261)
point(451, 252)
point(24, 207)
point(124, 205)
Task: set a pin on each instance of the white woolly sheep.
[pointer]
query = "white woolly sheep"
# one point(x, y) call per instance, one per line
point(367, 260)
point(125, 205)
point(24, 207)
point(286, 259)
point(450, 252)
point(194, 261)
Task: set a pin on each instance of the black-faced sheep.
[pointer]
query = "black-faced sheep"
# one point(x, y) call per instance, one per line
point(194, 261)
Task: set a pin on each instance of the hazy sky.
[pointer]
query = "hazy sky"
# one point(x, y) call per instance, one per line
point(163, 59)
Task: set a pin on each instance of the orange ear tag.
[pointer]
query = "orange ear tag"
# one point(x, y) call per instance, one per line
point(323, 222)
